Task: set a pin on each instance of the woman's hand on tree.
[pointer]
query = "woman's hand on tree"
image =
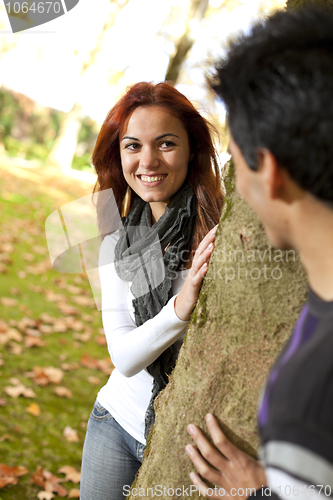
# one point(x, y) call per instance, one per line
point(234, 473)
point(188, 296)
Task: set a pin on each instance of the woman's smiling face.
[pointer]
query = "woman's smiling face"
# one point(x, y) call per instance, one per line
point(154, 152)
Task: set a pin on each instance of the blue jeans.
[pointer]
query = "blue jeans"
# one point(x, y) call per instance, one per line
point(111, 458)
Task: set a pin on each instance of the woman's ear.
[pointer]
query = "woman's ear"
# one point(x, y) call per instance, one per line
point(191, 157)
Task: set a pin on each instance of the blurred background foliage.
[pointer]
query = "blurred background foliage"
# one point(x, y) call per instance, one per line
point(56, 88)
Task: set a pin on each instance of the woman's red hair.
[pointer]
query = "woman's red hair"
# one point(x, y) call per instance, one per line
point(203, 169)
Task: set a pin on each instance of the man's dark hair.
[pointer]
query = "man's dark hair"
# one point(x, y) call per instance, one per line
point(277, 85)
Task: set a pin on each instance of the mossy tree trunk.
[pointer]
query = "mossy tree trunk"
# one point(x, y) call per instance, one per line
point(248, 305)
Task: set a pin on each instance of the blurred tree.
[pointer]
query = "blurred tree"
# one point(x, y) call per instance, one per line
point(65, 145)
point(196, 13)
point(247, 307)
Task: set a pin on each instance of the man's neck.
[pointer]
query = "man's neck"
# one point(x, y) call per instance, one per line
point(314, 241)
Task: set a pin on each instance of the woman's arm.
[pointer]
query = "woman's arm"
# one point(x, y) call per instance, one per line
point(132, 348)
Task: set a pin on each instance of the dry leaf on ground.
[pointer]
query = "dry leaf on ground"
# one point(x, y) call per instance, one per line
point(19, 390)
point(71, 435)
point(71, 473)
point(45, 495)
point(44, 375)
point(48, 481)
point(74, 493)
point(9, 475)
point(8, 302)
point(34, 409)
point(63, 392)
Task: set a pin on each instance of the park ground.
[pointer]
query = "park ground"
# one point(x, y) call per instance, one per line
point(53, 357)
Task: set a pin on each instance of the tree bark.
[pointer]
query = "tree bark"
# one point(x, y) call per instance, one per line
point(247, 307)
point(196, 14)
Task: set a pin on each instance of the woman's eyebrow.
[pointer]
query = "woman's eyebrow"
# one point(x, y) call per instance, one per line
point(128, 137)
point(166, 135)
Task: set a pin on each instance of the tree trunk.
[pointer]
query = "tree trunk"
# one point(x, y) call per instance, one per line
point(64, 147)
point(196, 14)
point(247, 307)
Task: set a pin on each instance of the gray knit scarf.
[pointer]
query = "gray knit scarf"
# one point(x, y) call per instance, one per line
point(148, 256)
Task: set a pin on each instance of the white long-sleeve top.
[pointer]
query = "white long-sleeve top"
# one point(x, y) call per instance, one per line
point(128, 391)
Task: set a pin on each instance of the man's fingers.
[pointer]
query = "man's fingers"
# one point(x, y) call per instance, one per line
point(221, 442)
point(205, 470)
point(208, 451)
point(204, 490)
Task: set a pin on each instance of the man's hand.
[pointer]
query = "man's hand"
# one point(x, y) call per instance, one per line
point(234, 473)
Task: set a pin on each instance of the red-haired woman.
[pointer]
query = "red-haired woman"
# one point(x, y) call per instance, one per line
point(155, 152)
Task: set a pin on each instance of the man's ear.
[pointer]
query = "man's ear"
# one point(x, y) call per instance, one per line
point(272, 174)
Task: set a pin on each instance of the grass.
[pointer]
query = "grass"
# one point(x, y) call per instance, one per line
point(26, 199)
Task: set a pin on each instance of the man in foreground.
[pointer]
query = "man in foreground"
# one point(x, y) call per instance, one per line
point(277, 85)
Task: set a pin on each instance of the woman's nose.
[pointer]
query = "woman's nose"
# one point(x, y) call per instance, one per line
point(149, 158)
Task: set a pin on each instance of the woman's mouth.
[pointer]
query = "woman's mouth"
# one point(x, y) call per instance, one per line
point(150, 179)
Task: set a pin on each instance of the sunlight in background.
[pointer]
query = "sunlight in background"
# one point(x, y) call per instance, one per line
point(45, 63)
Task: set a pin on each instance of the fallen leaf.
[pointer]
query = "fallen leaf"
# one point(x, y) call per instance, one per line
point(67, 309)
point(94, 380)
point(74, 290)
point(84, 301)
point(71, 435)
point(101, 340)
point(4, 481)
point(45, 495)
point(8, 302)
point(15, 349)
point(14, 381)
point(63, 392)
point(3, 326)
point(51, 296)
point(82, 337)
point(9, 475)
point(44, 375)
point(87, 318)
point(60, 326)
point(34, 342)
point(71, 473)
point(34, 410)
point(48, 481)
point(17, 471)
point(19, 390)
point(29, 257)
point(46, 318)
point(74, 493)
point(45, 329)
point(5, 437)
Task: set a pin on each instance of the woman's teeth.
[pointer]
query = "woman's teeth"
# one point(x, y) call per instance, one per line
point(145, 178)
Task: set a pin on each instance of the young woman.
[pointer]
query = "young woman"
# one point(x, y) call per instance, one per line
point(155, 152)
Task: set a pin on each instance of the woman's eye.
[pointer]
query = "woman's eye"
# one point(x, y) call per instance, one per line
point(167, 144)
point(132, 146)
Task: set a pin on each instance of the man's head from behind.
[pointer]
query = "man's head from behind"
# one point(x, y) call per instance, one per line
point(277, 85)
